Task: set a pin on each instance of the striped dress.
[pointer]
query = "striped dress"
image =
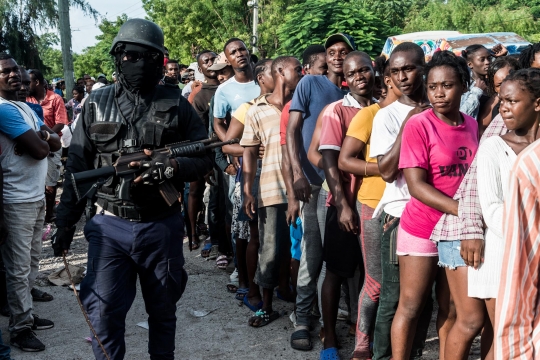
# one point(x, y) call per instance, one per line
point(517, 318)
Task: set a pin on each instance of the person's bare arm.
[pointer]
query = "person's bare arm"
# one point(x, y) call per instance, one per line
point(314, 156)
point(389, 162)
point(249, 169)
point(54, 141)
point(346, 215)
point(301, 186)
point(426, 193)
point(235, 131)
point(33, 143)
point(293, 209)
point(349, 162)
point(220, 128)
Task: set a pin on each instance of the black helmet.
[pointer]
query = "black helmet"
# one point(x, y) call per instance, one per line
point(141, 32)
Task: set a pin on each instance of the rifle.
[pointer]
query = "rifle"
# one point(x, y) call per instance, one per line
point(127, 174)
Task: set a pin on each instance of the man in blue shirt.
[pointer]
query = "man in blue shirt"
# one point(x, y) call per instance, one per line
point(312, 94)
point(26, 143)
point(60, 87)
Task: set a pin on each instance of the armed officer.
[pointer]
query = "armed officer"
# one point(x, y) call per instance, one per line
point(142, 236)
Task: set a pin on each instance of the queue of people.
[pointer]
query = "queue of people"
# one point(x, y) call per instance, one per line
point(400, 181)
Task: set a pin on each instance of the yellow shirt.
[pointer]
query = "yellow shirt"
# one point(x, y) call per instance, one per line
point(240, 113)
point(372, 187)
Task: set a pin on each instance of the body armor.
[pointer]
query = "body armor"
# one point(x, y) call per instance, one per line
point(113, 132)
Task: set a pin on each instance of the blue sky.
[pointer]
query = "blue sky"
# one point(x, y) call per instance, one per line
point(84, 28)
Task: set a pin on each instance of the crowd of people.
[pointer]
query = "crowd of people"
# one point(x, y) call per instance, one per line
point(399, 181)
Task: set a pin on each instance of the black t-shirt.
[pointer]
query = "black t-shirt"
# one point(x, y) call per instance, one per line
point(201, 103)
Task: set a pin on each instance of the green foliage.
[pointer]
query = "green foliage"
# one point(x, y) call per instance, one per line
point(314, 20)
point(51, 57)
point(393, 12)
point(191, 26)
point(96, 59)
point(478, 16)
point(18, 21)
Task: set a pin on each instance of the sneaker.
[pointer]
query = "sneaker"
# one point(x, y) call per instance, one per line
point(42, 324)
point(26, 340)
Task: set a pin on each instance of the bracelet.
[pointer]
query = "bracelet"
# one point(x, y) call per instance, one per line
point(365, 169)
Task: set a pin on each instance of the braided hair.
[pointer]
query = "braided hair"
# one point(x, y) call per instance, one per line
point(471, 50)
point(260, 68)
point(526, 58)
point(498, 64)
point(449, 59)
point(529, 80)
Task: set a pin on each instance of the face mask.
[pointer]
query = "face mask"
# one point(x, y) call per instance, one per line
point(144, 74)
point(141, 74)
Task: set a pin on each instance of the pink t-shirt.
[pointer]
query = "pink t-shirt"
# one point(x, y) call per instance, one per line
point(446, 152)
point(335, 121)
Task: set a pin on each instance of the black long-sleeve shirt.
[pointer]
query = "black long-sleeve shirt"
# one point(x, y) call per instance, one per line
point(82, 151)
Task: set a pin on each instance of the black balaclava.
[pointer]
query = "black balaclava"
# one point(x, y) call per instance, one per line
point(141, 76)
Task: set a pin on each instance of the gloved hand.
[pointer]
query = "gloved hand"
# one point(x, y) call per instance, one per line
point(159, 169)
point(62, 239)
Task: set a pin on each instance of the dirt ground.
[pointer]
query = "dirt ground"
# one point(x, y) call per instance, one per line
point(223, 333)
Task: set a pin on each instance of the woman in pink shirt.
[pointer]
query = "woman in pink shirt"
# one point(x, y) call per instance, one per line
point(437, 148)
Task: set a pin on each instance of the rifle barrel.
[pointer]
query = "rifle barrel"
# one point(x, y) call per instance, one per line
point(91, 175)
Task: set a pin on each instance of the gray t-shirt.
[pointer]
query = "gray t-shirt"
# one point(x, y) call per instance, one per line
point(24, 176)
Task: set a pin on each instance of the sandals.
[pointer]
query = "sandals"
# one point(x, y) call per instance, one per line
point(222, 261)
point(214, 252)
point(302, 334)
point(251, 307)
point(329, 354)
point(42, 296)
point(264, 317)
point(205, 251)
point(241, 293)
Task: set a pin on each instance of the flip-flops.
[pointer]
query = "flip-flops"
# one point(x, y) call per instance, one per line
point(251, 307)
point(329, 354)
point(241, 293)
point(265, 318)
point(222, 261)
point(205, 251)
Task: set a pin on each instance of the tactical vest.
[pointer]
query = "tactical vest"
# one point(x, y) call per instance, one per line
point(113, 134)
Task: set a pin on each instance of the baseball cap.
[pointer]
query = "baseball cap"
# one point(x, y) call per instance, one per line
point(339, 37)
point(101, 76)
point(220, 62)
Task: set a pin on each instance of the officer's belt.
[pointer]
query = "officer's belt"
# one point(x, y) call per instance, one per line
point(134, 213)
point(126, 212)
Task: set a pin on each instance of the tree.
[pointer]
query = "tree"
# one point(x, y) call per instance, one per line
point(96, 59)
point(478, 16)
point(18, 21)
point(191, 26)
point(394, 12)
point(314, 20)
point(51, 57)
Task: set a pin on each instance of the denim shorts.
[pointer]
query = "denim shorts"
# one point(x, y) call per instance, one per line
point(449, 254)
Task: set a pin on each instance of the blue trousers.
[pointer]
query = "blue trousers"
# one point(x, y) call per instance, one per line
point(118, 251)
point(5, 350)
